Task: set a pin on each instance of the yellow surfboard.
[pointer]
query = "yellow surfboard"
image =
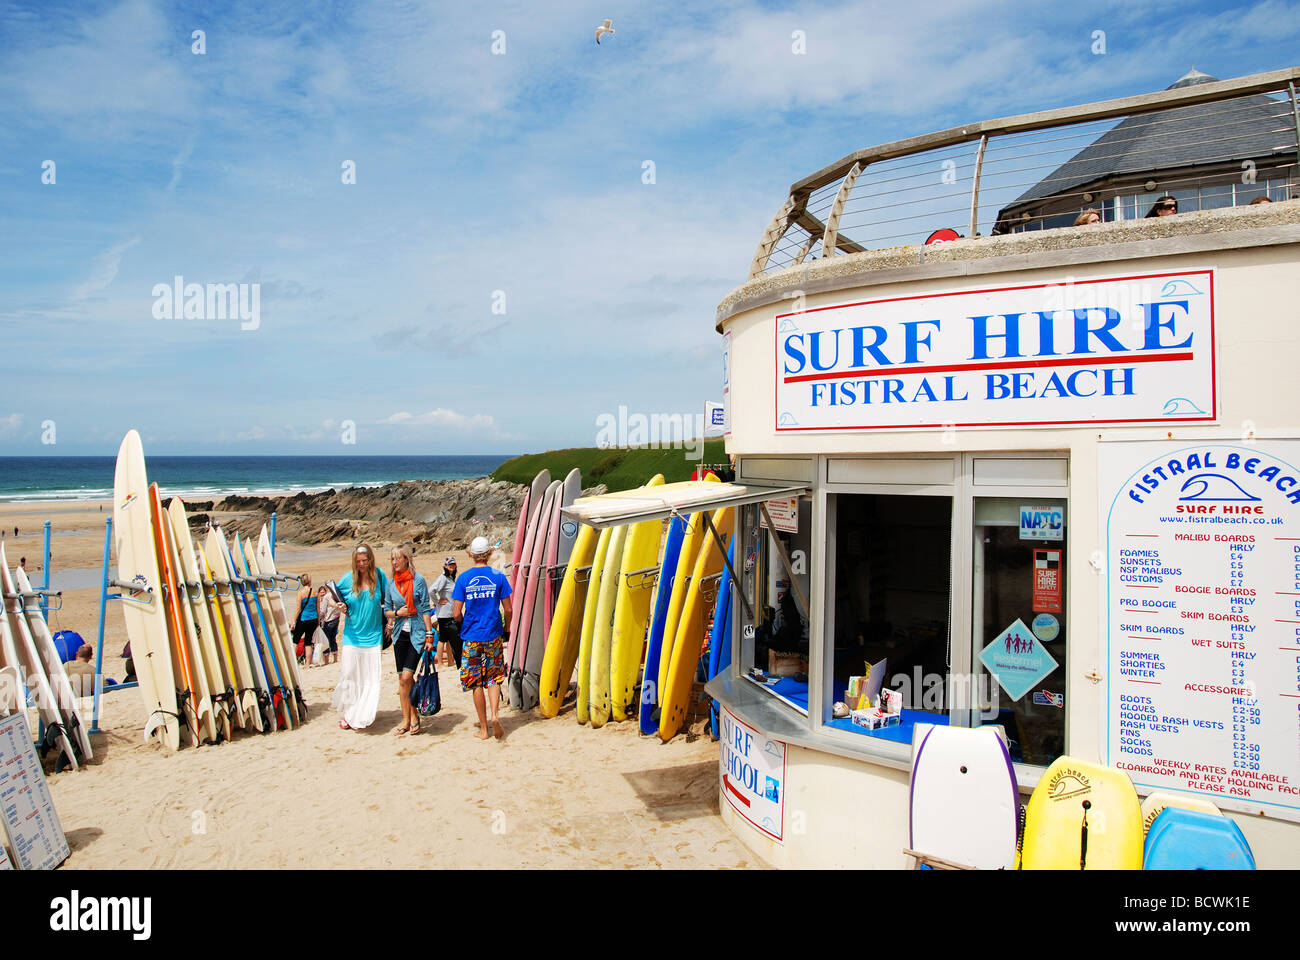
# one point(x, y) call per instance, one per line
point(603, 634)
point(632, 612)
point(589, 625)
point(681, 582)
point(1082, 816)
point(566, 625)
point(689, 636)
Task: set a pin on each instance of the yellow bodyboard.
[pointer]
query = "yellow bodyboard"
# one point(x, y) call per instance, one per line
point(1082, 816)
point(632, 613)
point(566, 626)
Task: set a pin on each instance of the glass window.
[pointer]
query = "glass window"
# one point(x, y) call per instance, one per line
point(1019, 615)
point(892, 587)
point(1214, 197)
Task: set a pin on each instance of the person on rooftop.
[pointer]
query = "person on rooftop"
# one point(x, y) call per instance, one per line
point(1165, 206)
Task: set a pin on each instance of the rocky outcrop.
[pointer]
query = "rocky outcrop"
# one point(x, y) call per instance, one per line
point(441, 512)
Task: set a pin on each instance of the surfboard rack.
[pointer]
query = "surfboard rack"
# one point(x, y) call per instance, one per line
point(709, 586)
point(642, 579)
point(937, 863)
point(582, 574)
point(42, 598)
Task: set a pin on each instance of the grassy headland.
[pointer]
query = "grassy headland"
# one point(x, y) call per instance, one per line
point(618, 468)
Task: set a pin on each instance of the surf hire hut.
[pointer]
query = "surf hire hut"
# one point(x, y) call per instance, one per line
point(1048, 481)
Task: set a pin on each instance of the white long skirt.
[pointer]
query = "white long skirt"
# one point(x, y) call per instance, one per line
point(356, 698)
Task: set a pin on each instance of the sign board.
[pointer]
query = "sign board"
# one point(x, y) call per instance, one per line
point(1048, 582)
point(1042, 523)
point(751, 774)
point(1201, 610)
point(26, 808)
point(1017, 660)
point(1137, 349)
point(784, 512)
point(715, 419)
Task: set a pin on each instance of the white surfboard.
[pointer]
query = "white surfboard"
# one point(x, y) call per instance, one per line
point(965, 805)
point(221, 687)
point(68, 702)
point(146, 620)
point(31, 665)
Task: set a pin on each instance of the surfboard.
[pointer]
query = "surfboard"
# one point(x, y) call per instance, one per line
point(264, 562)
point(525, 601)
point(519, 584)
point(253, 693)
point(582, 709)
point(144, 613)
point(258, 653)
point(689, 636)
point(602, 637)
point(720, 641)
point(965, 806)
point(220, 688)
point(1082, 816)
point(1157, 802)
point(546, 545)
point(66, 698)
point(270, 638)
point(1183, 839)
point(681, 584)
point(216, 588)
point(196, 706)
point(632, 611)
point(648, 716)
point(566, 536)
point(29, 662)
point(566, 625)
point(527, 515)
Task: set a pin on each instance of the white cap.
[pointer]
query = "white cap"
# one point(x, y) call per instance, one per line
point(479, 546)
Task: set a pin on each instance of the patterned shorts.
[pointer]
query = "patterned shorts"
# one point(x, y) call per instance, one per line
point(482, 662)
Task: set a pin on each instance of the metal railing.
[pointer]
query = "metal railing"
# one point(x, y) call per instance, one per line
point(1039, 170)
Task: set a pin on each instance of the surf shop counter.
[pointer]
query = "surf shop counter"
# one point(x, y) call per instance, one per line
point(1048, 483)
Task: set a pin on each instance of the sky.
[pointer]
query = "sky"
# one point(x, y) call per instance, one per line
point(470, 228)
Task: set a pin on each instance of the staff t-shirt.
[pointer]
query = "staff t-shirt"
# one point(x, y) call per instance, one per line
point(365, 623)
point(481, 589)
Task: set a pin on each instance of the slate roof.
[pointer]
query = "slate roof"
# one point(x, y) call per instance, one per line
point(1208, 133)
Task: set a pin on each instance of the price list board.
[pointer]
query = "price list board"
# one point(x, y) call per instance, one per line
point(1201, 609)
point(26, 808)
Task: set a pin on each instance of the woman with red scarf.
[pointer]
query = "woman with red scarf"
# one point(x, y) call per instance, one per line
point(407, 606)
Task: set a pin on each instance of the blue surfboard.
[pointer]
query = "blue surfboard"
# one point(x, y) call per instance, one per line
point(1191, 840)
point(654, 644)
point(720, 642)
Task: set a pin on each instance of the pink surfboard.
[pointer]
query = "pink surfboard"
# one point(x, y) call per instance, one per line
point(528, 580)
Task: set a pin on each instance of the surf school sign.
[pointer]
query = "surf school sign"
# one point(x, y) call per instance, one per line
point(1119, 350)
point(751, 774)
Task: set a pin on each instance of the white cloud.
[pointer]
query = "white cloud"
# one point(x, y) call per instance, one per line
point(9, 425)
point(103, 269)
point(442, 417)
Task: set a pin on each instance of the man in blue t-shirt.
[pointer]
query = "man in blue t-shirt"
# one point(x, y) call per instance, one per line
point(479, 598)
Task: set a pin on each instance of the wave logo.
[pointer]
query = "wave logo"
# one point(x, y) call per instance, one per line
point(1068, 783)
point(1180, 406)
point(1179, 288)
point(1213, 486)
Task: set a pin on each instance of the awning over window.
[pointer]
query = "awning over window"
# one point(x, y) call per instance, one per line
point(670, 499)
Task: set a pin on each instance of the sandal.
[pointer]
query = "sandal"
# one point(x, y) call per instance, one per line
point(415, 728)
point(401, 731)
point(343, 725)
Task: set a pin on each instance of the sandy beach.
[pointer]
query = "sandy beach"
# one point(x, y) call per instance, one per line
point(551, 794)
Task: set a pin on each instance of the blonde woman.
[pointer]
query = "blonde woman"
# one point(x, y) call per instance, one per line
point(407, 605)
point(361, 631)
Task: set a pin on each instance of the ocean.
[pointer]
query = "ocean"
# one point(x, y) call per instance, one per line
point(207, 478)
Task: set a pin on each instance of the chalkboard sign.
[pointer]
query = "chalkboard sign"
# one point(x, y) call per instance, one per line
point(1202, 617)
point(26, 808)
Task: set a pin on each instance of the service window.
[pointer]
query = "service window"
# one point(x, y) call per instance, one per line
point(892, 574)
point(1019, 617)
point(773, 567)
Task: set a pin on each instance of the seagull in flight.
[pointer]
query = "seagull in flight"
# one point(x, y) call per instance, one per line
point(602, 29)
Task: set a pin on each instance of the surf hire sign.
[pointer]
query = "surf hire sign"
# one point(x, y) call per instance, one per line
point(1134, 349)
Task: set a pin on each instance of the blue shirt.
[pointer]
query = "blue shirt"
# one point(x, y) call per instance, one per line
point(307, 610)
point(395, 601)
point(365, 624)
point(481, 590)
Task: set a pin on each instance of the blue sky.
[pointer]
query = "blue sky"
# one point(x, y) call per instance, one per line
point(476, 172)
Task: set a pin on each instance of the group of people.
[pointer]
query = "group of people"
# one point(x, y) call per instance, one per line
point(1166, 206)
point(369, 610)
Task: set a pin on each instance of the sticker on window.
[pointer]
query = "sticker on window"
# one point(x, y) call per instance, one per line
point(1017, 659)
